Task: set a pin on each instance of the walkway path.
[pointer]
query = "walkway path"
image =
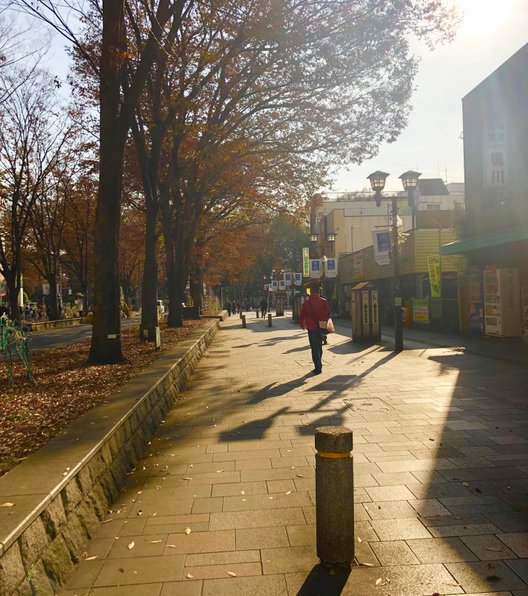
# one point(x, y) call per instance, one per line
point(223, 503)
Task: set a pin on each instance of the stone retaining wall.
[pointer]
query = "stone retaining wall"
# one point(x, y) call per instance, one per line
point(60, 324)
point(59, 495)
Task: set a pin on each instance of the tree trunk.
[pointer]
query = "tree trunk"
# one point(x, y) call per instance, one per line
point(196, 283)
point(106, 345)
point(149, 286)
point(13, 290)
point(53, 303)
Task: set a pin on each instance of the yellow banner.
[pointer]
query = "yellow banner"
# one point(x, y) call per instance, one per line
point(433, 264)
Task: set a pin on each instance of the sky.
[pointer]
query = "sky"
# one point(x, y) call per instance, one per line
point(490, 32)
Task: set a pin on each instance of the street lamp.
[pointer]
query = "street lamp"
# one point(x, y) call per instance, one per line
point(410, 181)
point(377, 182)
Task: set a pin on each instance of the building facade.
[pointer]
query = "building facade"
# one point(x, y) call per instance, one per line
point(495, 234)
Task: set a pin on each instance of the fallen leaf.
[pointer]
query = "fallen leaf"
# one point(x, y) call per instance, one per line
point(131, 545)
point(288, 492)
point(187, 531)
point(378, 581)
point(299, 476)
point(7, 504)
point(189, 576)
point(90, 558)
point(231, 573)
point(170, 546)
point(359, 540)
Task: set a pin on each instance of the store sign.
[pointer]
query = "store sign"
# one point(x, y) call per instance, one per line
point(357, 266)
point(420, 312)
point(433, 265)
point(495, 155)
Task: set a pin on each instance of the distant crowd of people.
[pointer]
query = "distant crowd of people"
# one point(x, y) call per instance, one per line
point(234, 306)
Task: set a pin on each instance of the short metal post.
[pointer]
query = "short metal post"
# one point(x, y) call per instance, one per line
point(334, 495)
point(243, 317)
point(269, 320)
point(258, 313)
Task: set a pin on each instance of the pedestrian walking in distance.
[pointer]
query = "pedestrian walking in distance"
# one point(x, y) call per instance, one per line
point(263, 306)
point(228, 308)
point(313, 310)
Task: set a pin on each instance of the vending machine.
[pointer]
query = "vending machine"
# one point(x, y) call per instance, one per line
point(502, 304)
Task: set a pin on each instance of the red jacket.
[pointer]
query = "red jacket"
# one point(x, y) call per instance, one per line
point(313, 310)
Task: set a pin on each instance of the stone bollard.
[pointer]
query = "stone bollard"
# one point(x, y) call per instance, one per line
point(269, 320)
point(334, 495)
point(258, 314)
point(243, 317)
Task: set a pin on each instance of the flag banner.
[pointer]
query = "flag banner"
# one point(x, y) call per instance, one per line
point(282, 285)
point(382, 246)
point(433, 264)
point(274, 285)
point(297, 279)
point(331, 267)
point(315, 268)
point(288, 278)
point(306, 262)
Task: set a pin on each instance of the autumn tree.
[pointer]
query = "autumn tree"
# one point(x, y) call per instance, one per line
point(32, 138)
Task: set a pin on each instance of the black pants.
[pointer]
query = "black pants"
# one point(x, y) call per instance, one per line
point(316, 345)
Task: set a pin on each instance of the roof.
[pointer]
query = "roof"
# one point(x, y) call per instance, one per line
point(432, 187)
point(485, 241)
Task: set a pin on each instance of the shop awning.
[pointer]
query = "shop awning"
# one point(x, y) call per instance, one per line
point(496, 239)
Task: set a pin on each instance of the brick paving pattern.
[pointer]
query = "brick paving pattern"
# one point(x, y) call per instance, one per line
point(223, 502)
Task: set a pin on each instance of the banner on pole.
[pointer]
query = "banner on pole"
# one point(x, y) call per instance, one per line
point(331, 267)
point(297, 279)
point(306, 262)
point(315, 268)
point(282, 285)
point(288, 278)
point(382, 246)
point(433, 264)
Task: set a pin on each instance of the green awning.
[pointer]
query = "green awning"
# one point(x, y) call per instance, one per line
point(469, 244)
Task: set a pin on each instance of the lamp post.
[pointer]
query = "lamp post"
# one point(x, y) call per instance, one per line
point(377, 182)
point(410, 181)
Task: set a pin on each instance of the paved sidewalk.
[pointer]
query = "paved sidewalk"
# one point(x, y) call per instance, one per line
point(440, 461)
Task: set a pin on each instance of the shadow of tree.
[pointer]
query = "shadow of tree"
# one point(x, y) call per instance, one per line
point(255, 429)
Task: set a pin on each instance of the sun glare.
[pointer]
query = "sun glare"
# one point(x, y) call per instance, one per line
point(481, 17)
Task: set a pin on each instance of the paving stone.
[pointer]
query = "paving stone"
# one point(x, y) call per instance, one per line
point(271, 585)
point(138, 590)
point(441, 550)
point(520, 567)
point(509, 522)
point(517, 542)
point(183, 588)
point(389, 493)
point(485, 577)
point(404, 529)
point(488, 547)
point(220, 571)
point(395, 552)
point(304, 535)
point(261, 502)
point(428, 507)
point(389, 510)
point(258, 538)
point(143, 545)
point(462, 530)
point(249, 488)
point(85, 574)
point(200, 542)
point(140, 570)
point(288, 559)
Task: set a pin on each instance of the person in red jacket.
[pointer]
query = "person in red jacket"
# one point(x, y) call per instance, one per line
point(313, 310)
